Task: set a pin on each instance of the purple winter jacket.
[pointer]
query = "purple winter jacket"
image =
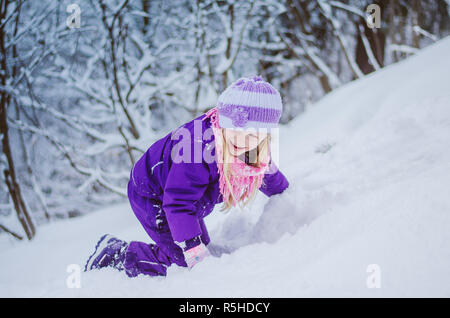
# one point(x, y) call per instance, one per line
point(188, 190)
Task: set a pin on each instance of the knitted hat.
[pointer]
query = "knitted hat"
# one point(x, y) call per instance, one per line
point(249, 103)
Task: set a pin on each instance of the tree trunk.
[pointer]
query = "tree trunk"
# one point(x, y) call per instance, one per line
point(9, 172)
point(415, 21)
point(392, 28)
point(145, 19)
point(377, 42)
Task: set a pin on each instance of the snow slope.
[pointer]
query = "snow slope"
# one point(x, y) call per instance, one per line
point(369, 167)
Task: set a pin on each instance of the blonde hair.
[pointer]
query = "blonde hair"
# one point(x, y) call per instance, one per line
point(262, 151)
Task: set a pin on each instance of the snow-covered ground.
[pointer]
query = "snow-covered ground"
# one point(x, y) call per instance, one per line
point(369, 167)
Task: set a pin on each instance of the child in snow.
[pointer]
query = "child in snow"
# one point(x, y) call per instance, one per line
point(171, 191)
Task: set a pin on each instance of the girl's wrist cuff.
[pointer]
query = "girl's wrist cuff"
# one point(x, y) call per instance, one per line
point(191, 243)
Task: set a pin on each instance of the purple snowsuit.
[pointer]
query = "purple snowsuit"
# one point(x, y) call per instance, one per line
point(170, 198)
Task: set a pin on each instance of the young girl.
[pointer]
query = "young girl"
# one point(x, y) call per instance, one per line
point(171, 191)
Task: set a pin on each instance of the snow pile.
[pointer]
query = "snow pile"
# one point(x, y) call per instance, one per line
point(369, 167)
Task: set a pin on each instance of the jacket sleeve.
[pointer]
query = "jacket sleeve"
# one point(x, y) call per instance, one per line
point(185, 185)
point(274, 181)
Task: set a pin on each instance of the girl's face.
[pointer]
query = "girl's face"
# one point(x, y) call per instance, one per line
point(241, 141)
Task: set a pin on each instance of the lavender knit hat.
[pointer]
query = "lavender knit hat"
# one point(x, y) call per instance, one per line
point(249, 103)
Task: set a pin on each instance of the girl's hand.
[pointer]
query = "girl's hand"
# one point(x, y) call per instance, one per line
point(196, 255)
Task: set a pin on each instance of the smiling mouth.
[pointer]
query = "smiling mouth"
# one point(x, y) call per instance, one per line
point(235, 147)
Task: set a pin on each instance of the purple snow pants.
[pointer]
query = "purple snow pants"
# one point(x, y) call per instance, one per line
point(152, 258)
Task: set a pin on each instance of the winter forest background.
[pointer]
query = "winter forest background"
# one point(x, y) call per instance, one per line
point(79, 105)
